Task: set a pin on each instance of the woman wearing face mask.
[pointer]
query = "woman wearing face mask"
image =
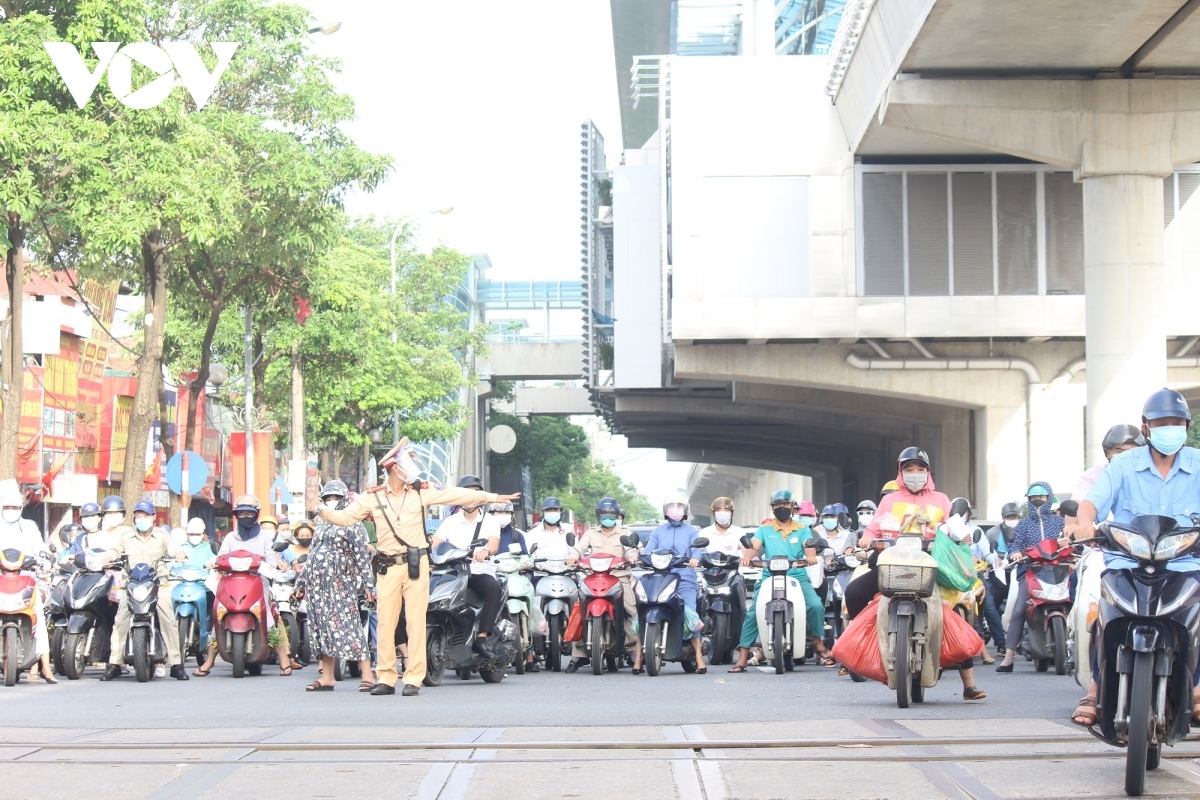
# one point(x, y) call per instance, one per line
point(865, 513)
point(108, 522)
point(1040, 523)
point(806, 514)
point(17, 533)
point(502, 513)
point(917, 492)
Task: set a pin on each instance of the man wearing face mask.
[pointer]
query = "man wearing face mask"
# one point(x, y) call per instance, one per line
point(605, 537)
point(146, 544)
point(835, 530)
point(17, 533)
point(723, 536)
point(502, 513)
point(549, 535)
point(865, 513)
point(108, 521)
point(677, 536)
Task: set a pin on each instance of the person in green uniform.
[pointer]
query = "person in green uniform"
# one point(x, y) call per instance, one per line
point(784, 538)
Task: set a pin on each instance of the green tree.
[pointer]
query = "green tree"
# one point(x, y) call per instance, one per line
point(552, 448)
point(596, 481)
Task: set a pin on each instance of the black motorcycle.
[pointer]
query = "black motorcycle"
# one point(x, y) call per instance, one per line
point(839, 567)
point(145, 646)
point(1146, 638)
point(56, 614)
point(452, 621)
point(90, 612)
point(724, 592)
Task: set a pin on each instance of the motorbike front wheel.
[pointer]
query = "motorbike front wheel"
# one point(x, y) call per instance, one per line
point(720, 638)
point(903, 646)
point(522, 624)
point(139, 641)
point(777, 642)
point(237, 654)
point(1140, 688)
point(1058, 632)
point(56, 650)
point(187, 637)
point(555, 642)
point(12, 656)
point(597, 645)
point(435, 656)
point(75, 655)
point(652, 659)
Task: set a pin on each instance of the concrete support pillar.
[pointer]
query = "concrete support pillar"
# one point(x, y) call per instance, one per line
point(1123, 269)
point(1004, 431)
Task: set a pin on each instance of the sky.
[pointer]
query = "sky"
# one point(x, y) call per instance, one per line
point(480, 104)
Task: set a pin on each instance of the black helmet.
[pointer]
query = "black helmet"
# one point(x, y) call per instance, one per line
point(868, 504)
point(1010, 510)
point(960, 506)
point(470, 482)
point(551, 502)
point(89, 510)
point(607, 506)
point(910, 454)
point(1123, 434)
point(335, 489)
point(1068, 508)
point(1166, 403)
point(112, 503)
point(68, 532)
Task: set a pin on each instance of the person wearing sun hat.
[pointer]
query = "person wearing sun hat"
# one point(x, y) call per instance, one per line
point(401, 562)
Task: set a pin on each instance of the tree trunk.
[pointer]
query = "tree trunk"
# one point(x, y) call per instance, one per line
point(12, 357)
point(364, 478)
point(338, 456)
point(297, 432)
point(194, 420)
point(149, 367)
point(168, 450)
point(324, 465)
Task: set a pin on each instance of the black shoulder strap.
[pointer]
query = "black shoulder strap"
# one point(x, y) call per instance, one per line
point(379, 502)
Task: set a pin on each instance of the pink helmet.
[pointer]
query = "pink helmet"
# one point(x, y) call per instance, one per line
point(807, 509)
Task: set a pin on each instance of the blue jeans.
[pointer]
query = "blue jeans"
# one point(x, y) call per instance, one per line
point(995, 622)
point(688, 592)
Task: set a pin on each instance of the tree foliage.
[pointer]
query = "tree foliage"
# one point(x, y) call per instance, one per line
point(552, 448)
point(596, 481)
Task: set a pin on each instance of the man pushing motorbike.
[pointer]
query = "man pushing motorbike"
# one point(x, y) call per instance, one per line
point(401, 562)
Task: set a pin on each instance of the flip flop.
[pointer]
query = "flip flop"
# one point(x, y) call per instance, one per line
point(737, 669)
point(285, 671)
point(366, 686)
point(828, 660)
point(317, 686)
point(201, 673)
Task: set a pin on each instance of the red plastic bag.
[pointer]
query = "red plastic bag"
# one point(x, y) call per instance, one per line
point(959, 639)
point(857, 649)
point(574, 631)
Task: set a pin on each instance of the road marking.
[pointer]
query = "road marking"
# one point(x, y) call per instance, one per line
point(195, 782)
point(282, 734)
point(711, 780)
point(949, 777)
point(435, 779)
point(688, 782)
point(1180, 769)
point(452, 781)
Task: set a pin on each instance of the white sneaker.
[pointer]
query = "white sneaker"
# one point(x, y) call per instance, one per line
point(160, 671)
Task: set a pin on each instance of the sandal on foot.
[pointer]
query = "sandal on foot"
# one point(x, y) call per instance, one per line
point(295, 664)
point(738, 668)
point(317, 686)
point(201, 673)
point(49, 679)
point(285, 671)
point(827, 660)
point(366, 686)
point(1083, 716)
point(843, 672)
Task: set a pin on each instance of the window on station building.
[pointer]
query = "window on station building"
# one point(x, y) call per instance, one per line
point(965, 231)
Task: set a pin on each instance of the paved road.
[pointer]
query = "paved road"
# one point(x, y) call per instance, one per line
point(544, 698)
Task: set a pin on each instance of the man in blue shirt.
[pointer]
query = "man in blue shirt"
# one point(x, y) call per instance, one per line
point(677, 536)
point(1160, 478)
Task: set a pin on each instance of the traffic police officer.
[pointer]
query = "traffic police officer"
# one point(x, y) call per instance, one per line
point(402, 560)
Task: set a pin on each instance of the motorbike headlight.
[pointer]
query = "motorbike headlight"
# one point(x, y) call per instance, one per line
point(665, 594)
point(139, 591)
point(661, 560)
point(1135, 544)
point(12, 603)
point(721, 589)
point(640, 592)
point(240, 564)
point(95, 561)
point(778, 564)
point(600, 564)
point(1053, 592)
point(1172, 546)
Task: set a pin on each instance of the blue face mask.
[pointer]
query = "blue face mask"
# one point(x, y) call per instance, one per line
point(829, 524)
point(806, 521)
point(608, 522)
point(1168, 439)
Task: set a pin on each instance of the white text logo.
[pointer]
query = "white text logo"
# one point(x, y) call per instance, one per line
point(171, 58)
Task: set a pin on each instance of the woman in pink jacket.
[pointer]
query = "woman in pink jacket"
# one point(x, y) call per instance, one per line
point(917, 492)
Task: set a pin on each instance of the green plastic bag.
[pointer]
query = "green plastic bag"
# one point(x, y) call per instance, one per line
point(956, 568)
point(692, 623)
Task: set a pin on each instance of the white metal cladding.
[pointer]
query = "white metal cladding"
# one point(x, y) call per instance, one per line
point(936, 230)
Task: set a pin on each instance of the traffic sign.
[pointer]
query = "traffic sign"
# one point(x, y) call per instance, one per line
point(279, 494)
point(197, 474)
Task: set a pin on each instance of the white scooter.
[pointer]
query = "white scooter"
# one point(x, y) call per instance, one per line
point(781, 615)
point(523, 608)
point(557, 594)
point(1082, 621)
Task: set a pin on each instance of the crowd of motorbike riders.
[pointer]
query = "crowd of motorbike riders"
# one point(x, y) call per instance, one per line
point(778, 593)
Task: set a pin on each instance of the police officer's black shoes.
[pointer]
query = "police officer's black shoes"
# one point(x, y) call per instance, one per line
point(110, 672)
point(576, 663)
point(383, 688)
point(409, 690)
point(179, 673)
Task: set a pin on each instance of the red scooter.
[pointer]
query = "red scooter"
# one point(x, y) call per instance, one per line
point(242, 612)
point(1048, 582)
point(604, 614)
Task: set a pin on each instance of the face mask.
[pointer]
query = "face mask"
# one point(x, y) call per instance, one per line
point(143, 524)
point(608, 522)
point(552, 517)
point(196, 539)
point(112, 520)
point(723, 518)
point(504, 519)
point(1168, 439)
point(806, 521)
point(247, 527)
point(915, 481)
point(268, 530)
point(11, 515)
point(675, 514)
point(1037, 502)
point(1010, 523)
point(865, 519)
point(304, 541)
point(783, 513)
point(829, 524)
point(91, 523)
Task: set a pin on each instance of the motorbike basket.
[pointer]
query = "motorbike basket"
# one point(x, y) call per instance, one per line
point(906, 579)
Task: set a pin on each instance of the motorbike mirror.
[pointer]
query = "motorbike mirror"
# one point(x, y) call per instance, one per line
point(630, 540)
point(570, 540)
point(279, 547)
point(301, 559)
point(514, 548)
point(845, 521)
point(700, 542)
point(746, 542)
point(533, 549)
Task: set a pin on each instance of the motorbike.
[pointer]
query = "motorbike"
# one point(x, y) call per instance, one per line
point(452, 621)
point(56, 614)
point(1047, 582)
point(144, 647)
point(189, 597)
point(1146, 641)
point(1084, 613)
point(18, 613)
point(302, 650)
point(283, 585)
point(604, 614)
point(523, 609)
point(660, 609)
point(911, 614)
point(242, 613)
point(725, 604)
point(839, 567)
point(557, 594)
point(781, 615)
point(91, 605)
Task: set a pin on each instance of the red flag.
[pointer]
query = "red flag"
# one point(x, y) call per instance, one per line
point(153, 479)
point(303, 310)
point(52, 473)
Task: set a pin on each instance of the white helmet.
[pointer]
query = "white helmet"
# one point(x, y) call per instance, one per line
point(675, 498)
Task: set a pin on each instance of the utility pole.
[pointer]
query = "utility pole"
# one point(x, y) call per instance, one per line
point(249, 379)
point(297, 435)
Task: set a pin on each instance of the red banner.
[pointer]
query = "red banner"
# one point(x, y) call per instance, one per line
point(264, 464)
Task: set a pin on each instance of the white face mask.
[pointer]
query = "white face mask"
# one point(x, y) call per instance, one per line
point(195, 539)
point(503, 519)
point(865, 518)
point(723, 518)
point(915, 481)
point(91, 523)
point(11, 515)
point(1010, 523)
point(113, 520)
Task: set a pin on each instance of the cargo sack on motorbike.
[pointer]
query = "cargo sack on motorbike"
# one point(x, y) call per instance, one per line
point(857, 649)
point(956, 568)
point(692, 624)
point(959, 640)
point(574, 631)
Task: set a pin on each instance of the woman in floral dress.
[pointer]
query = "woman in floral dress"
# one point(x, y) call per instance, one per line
point(336, 572)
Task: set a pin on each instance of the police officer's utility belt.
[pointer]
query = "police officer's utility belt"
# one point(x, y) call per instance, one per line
point(380, 562)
